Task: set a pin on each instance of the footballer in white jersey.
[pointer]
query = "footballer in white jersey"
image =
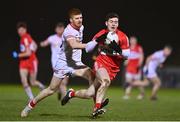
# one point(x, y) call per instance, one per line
point(69, 60)
point(55, 42)
point(150, 74)
point(157, 59)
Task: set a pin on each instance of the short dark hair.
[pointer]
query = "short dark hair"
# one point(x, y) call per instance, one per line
point(74, 11)
point(59, 24)
point(111, 15)
point(21, 24)
point(168, 46)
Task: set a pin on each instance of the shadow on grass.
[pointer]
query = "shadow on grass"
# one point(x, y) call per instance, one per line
point(85, 117)
point(57, 115)
point(71, 117)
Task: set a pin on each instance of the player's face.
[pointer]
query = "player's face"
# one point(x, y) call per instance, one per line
point(76, 20)
point(21, 31)
point(133, 41)
point(167, 51)
point(59, 30)
point(112, 24)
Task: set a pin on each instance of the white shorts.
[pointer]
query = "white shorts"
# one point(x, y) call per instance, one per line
point(149, 72)
point(61, 69)
point(131, 76)
point(53, 63)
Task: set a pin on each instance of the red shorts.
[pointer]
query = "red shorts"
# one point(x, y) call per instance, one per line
point(112, 72)
point(30, 65)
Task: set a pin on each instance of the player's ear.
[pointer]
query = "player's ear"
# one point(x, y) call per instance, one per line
point(70, 20)
point(106, 23)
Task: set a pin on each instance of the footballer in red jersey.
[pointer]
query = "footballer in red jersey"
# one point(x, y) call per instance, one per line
point(133, 64)
point(114, 48)
point(28, 62)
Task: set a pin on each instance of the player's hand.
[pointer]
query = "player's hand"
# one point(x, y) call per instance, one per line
point(41, 44)
point(113, 45)
point(102, 38)
point(14, 54)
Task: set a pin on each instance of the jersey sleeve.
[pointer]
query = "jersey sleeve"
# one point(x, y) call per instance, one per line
point(27, 42)
point(124, 42)
point(155, 55)
point(50, 39)
point(99, 34)
point(69, 34)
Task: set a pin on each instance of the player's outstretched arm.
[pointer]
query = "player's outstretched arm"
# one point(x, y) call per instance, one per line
point(149, 58)
point(74, 44)
point(90, 46)
point(97, 39)
point(44, 43)
point(27, 53)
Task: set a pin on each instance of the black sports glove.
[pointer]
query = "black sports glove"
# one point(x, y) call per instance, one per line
point(102, 38)
point(113, 45)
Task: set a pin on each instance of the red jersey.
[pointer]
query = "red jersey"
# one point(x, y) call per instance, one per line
point(133, 59)
point(110, 62)
point(25, 43)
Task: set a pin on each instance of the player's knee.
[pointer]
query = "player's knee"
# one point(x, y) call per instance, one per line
point(33, 84)
point(105, 83)
point(147, 83)
point(158, 84)
point(25, 84)
point(51, 91)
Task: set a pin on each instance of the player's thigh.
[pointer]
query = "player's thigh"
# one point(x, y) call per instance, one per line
point(55, 82)
point(65, 81)
point(102, 76)
point(80, 72)
point(24, 76)
point(85, 73)
point(33, 76)
point(23, 73)
point(146, 81)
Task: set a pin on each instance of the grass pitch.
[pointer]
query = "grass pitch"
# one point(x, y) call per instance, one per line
point(13, 99)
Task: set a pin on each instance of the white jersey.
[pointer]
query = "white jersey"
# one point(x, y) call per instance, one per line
point(69, 59)
point(69, 56)
point(55, 43)
point(157, 59)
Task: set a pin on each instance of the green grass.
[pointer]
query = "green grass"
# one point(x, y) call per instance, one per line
point(13, 99)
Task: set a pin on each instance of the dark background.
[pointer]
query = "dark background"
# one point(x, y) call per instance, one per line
point(154, 22)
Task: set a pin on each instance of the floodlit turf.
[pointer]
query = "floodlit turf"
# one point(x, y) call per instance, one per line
point(13, 99)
